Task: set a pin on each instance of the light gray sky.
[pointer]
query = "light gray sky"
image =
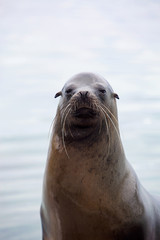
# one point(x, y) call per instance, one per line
point(43, 43)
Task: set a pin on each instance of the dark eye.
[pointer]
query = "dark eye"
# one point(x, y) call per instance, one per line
point(102, 91)
point(69, 90)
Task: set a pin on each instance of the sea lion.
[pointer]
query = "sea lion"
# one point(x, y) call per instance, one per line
point(90, 191)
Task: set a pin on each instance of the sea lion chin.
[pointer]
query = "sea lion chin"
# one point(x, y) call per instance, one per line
point(90, 191)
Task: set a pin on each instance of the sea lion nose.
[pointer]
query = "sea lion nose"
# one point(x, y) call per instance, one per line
point(83, 94)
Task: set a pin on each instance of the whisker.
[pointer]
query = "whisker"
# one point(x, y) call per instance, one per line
point(114, 128)
point(65, 106)
point(112, 123)
point(64, 112)
point(63, 133)
point(50, 128)
point(110, 112)
point(70, 130)
point(107, 125)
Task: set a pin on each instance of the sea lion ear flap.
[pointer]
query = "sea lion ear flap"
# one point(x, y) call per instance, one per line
point(115, 95)
point(58, 94)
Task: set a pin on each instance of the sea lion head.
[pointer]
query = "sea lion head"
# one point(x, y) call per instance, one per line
point(86, 107)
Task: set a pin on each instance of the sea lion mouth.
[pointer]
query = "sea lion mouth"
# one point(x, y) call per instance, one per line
point(83, 123)
point(84, 113)
point(84, 118)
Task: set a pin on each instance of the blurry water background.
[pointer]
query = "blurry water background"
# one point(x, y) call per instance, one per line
point(42, 44)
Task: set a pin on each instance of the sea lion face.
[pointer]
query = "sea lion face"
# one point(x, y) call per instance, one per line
point(83, 104)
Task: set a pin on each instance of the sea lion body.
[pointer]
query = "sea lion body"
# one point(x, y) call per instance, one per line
point(90, 191)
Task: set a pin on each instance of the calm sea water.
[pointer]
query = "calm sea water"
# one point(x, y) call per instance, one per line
point(23, 156)
point(21, 168)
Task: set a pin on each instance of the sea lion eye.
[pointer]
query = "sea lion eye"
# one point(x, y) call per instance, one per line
point(69, 90)
point(102, 91)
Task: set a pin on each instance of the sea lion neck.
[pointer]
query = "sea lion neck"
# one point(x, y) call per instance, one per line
point(109, 152)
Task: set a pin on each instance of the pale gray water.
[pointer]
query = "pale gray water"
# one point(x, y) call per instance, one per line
point(21, 168)
point(42, 44)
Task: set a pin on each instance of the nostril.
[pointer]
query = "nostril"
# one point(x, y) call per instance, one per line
point(83, 94)
point(86, 93)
